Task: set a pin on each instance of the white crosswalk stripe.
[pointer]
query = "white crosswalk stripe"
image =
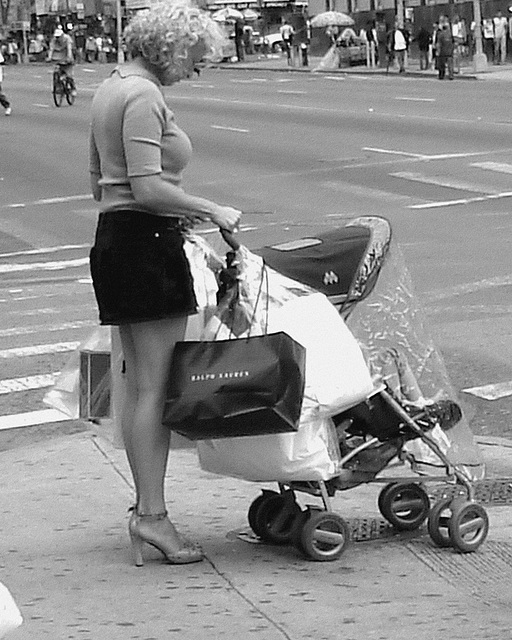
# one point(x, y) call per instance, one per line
point(33, 351)
point(27, 383)
point(38, 349)
point(439, 181)
point(499, 167)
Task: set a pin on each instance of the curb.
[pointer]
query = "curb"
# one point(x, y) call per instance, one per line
point(346, 72)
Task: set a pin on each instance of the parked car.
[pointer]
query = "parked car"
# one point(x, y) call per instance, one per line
point(274, 42)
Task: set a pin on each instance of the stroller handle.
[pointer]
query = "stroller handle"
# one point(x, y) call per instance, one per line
point(229, 238)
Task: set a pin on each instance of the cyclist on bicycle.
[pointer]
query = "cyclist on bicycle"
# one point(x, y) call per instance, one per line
point(61, 52)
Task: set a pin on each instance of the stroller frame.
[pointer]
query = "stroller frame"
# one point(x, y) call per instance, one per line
point(322, 535)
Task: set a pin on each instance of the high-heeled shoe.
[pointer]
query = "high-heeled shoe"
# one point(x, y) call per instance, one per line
point(139, 534)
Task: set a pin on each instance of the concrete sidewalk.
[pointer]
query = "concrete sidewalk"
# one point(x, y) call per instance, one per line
point(67, 561)
point(278, 62)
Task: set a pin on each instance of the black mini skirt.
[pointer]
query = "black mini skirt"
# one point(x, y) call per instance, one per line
point(139, 268)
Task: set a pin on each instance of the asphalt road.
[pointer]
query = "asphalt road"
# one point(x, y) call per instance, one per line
point(291, 150)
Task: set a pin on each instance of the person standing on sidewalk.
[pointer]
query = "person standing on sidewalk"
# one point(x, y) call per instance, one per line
point(398, 45)
point(3, 98)
point(500, 38)
point(287, 32)
point(445, 47)
point(424, 40)
point(141, 276)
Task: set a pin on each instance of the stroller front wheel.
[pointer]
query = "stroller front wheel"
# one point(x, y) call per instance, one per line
point(468, 526)
point(324, 536)
point(438, 520)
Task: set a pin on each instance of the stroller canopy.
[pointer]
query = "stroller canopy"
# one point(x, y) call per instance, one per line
point(342, 263)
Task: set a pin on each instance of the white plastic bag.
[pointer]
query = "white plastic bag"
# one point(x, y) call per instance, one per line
point(309, 454)
point(336, 373)
point(10, 616)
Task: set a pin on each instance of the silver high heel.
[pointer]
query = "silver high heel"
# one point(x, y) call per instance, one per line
point(187, 554)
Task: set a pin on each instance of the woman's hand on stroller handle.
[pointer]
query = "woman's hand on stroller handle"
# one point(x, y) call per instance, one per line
point(227, 218)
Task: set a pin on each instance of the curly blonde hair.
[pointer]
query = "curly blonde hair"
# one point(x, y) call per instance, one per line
point(165, 33)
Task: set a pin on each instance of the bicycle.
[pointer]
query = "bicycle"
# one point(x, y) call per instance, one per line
point(63, 86)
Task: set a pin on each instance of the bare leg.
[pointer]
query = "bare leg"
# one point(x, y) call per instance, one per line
point(148, 349)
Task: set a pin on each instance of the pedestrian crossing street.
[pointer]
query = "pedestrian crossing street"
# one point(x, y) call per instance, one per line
point(47, 306)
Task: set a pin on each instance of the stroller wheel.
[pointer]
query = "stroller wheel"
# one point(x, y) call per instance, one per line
point(274, 518)
point(468, 526)
point(298, 526)
point(382, 495)
point(253, 509)
point(438, 522)
point(405, 506)
point(324, 536)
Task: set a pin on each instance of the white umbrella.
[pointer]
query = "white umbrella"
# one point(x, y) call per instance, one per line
point(332, 19)
point(250, 15)
point(224, 15)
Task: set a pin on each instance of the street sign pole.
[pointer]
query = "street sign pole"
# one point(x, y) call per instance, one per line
point(479, 59)
point(119, 20)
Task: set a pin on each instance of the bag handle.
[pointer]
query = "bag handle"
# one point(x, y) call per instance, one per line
point(229, 238)
point(264, 276)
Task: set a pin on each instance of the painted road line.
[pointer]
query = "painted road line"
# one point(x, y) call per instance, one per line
point(55, 265)
point(491, 391)
point(32, 418)
point(424, 156)
point(292, 92)
point(47, 328)
point(216, 126)
point(38, 350)
point(407, 99)
point(41, 106)
point(468, 287)
point(443, 182)
point(56, 200)
point(27, 383)
point(451, 203)
point(499, 167)
point(33, 252)
point(251, 81)
point(394, 152)
point(366, 192)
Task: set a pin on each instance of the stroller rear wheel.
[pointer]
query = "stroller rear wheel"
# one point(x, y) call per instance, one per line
point(324, 536)
point(405, 506)
point(255, 505)
point(274, 517)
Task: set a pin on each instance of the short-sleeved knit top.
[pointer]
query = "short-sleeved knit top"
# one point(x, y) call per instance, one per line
point(133, 134)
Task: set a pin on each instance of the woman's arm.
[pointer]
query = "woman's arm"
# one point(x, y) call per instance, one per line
point(164, 198)
point(94, 168)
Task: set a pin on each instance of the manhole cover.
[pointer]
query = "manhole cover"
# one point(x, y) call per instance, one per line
point(492, 491)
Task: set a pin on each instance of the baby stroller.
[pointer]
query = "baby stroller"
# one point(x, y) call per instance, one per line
point(409, 418)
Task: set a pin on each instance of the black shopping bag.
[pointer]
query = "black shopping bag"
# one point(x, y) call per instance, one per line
point(240, 387)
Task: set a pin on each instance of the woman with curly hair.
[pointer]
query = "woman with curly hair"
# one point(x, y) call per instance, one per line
point(141, 276)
